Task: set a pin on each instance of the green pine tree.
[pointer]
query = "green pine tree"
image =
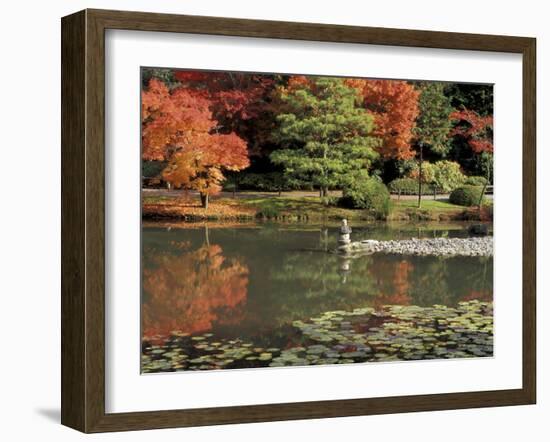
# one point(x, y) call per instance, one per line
point(432, 125)
point(324, 134)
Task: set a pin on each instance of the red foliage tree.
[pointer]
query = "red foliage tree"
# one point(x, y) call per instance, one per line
point(178, 127)
point(394, 105)
point(475, 129)
point(233, 96)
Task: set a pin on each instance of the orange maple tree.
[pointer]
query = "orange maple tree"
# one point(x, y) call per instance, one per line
point(394, 106)
point(178, 127)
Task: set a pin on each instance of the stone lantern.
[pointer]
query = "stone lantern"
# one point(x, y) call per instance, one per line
point(345, 232)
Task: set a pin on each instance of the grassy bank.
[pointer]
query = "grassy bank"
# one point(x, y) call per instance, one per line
point(294, 208)
point(437, 210)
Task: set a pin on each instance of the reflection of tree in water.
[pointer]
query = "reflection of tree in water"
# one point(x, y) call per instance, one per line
point(392, 281)
point(188, 292)
point(448, 281)
point(309, 283)
point(479, 278)
point(253, 282)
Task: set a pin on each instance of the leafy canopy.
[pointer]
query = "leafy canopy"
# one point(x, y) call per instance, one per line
point(394, 106)
point(178, 127)
point(324, 132)
point(433, 124)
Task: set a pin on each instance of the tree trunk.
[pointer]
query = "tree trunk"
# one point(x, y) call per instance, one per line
point(420, 178)
point(204, 200)
point(483, 192)
point(324, 192)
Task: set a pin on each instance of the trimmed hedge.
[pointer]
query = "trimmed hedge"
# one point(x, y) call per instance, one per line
point(266, 182)
point(476, 181)
point(466, 195)
point(409, 186)
point(369, 194)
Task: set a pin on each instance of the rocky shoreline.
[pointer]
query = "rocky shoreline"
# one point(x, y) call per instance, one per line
point(474, 246)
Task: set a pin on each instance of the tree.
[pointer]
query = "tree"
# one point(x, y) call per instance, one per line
point(477, 97)
point(477, 132)
point(394, 106)
point(325, 137)
point(178, 128)
point(239, 101)
point(234, 96)
point(433, 124)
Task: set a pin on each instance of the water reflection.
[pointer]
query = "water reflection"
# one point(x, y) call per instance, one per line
point(190, 290)
point(252, 282)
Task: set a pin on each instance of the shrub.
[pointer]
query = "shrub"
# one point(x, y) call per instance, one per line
point(369, 194)
point(443, 175)
point(476, 181)
point(266, 182)
point(428, 171)
point(466, 195)
point(447, 175)
point(408, 186)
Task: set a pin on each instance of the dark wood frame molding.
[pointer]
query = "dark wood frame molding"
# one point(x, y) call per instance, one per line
point(83, 216)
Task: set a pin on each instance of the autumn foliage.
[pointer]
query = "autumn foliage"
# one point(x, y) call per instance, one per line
point(475, 129)
point(315, 132)
point(394, 106)
point(178, 127)
point(233, 95)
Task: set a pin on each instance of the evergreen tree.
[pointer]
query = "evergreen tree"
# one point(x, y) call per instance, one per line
point(324, 132)
point(433, 124)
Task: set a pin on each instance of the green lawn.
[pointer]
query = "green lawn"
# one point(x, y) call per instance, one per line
point(427, 204)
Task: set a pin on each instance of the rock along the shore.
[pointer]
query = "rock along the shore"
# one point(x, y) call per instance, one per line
point(475, 246)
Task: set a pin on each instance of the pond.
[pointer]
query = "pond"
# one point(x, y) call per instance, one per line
point(258, 295)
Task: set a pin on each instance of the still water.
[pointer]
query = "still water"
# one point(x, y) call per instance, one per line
point(251, 282)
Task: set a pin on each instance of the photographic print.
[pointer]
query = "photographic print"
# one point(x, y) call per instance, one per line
point(296, 220)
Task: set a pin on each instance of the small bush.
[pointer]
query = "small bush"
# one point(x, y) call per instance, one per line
point(447, 175)
point(408, 186)
point(368, 194)
point(466, 195)
point(265, 182)
point(476, 181)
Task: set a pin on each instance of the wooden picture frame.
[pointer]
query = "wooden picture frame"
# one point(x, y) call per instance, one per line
point(83, 220)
